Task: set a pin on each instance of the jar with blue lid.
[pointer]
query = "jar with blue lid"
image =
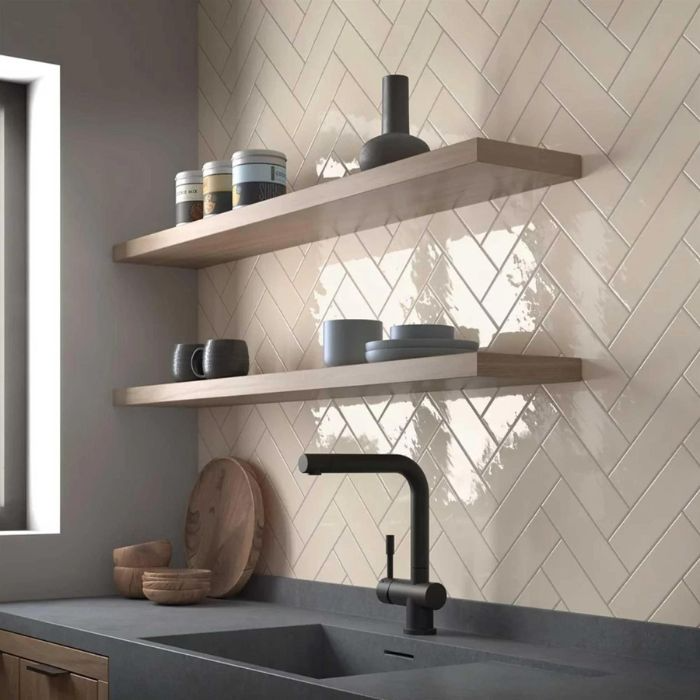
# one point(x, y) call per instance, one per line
point(257, 175)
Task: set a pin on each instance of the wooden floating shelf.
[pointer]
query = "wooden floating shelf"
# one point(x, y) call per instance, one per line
point(464, 173)
point(462, 371)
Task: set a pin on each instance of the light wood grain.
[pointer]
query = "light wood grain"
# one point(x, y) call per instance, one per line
point(224, 525)
point(190, 597)
point(9, 677)
point(128, 581)
point(155, 553)
point(176, 574)
point(194, 584)
point(463, 371)
point(463, 173)
point(102, 690)
point(73, 660)
point(34, 686)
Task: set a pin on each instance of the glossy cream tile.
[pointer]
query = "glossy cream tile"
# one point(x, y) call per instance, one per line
point(680, 608)
point(575, 338)
point(517, 91)
point(571, 583)
point(676, 280)
point(463, 534)
point(521, 503)
point(650, 52)
point(368, 20)
point(585, 478)
point(521, 562)
point(585, 540)
point(664, 365)
point(466, 28)
point(402, 31)
point(669, 425)
point(656, 509)
point(539, 593)
point(462, 79)
point(602, 310)
point(675, 213)
point(631, 19)
point(585, 99)
point(656, 577)
point(587, 39)
point(512, 41)
point(361, 62)
point(602, 182)
point(600, 244)
point(591, 423)
point(462, 476)
point(520, 445)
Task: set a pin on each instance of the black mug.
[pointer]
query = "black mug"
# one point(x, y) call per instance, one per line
point(220, 357)
point(182, 367)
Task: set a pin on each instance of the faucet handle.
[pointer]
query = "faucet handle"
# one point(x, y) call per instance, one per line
point(390, 556)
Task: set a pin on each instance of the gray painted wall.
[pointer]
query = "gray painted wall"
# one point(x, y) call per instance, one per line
point(128, 95)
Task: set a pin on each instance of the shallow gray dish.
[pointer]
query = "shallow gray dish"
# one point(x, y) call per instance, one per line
point(464, 345)
point(414, 331)
point(411, 353)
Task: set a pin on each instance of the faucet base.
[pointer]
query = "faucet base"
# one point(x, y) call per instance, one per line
point(419, 619)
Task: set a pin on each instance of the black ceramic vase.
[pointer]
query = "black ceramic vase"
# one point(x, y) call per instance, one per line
point(395, 142)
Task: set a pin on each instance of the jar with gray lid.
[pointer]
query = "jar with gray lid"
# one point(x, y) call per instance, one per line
point(188, 196)
point(217, 187)
point(258, 175)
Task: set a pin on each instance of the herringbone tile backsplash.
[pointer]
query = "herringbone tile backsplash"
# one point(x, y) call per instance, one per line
point(579, 497)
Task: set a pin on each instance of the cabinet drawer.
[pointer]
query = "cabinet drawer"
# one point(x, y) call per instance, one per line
point(37, 683)
point(81, 663)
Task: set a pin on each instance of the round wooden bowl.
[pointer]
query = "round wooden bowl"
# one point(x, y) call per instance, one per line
point(177, 584)
point(168, 574)
point(128, 580)
point(176, 597)
point(147, 554)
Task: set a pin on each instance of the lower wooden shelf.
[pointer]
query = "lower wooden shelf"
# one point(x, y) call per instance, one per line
point(463, 371)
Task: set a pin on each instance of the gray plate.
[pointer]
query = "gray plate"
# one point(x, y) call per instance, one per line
point(403, 344)
point(422, 330)
point(410, 353)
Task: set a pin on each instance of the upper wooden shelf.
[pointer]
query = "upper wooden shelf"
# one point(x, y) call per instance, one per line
point(463, 371)
point(464, 173)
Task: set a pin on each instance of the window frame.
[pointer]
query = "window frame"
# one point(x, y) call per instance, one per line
point(13, 306)
point(43, 82)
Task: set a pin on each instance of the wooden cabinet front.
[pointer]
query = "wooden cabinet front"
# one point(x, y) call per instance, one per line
point(36, 684)
point(31, 669)
point(9, 677)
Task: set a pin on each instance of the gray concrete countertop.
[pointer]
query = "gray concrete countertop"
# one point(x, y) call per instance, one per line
point(146, 670)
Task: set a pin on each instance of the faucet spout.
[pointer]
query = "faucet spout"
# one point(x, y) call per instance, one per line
point(418, 595)
point(316, 464)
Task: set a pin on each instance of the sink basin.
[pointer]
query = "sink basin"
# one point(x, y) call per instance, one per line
point(324, 651)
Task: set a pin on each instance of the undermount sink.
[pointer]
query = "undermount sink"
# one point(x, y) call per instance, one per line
point(324, 651)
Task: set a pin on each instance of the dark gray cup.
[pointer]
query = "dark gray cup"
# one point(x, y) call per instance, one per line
point(344, 340)
point(182, 367)
point(221, 357)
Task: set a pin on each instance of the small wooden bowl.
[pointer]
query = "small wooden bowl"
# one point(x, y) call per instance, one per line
point(147, 554)
point(177, 584)
point(176, 597)
point(164, 573)
point(128, 580)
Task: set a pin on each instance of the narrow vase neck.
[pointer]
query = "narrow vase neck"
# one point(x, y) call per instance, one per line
point(395, 104)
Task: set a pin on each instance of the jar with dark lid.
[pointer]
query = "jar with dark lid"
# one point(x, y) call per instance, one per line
point(188, 196)
point(217, 187)
point(258, 175)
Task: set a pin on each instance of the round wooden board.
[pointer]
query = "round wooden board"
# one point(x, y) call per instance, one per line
point(224, 524)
